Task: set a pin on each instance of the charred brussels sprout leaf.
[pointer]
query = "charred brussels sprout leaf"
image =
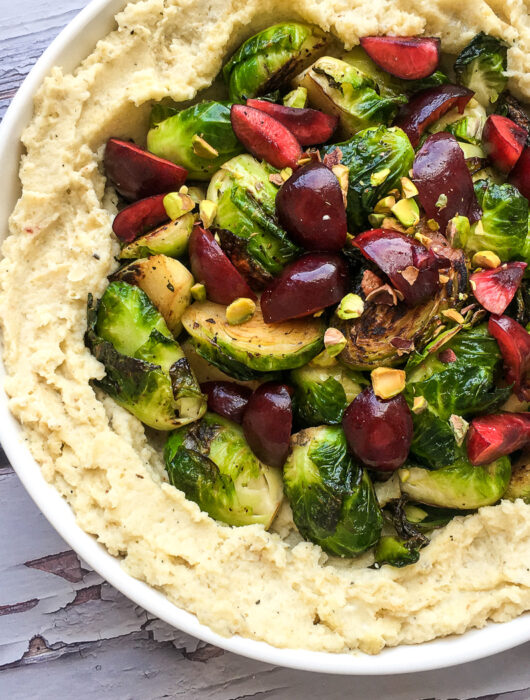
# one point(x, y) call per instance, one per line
point(211, 462)
point(173, 138)
point(332, 499)
point(519, 486)
point(459, 485)
point(395, 552)
point(323, 393)
point(270, 58)
point(481, 67)
point(369, 152)
point(504, 224)
point(146, 370)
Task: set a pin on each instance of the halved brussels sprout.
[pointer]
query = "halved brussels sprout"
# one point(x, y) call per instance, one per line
point(519, 486)
point(481, 66)
point(332, 498)
point(252, 347)
point(245, 200)
point(200, 138)
point(459, 485)
point(270, 58)
point(323, 393)
point(170, 239)
point(212, 463)
point(346, 90)
point(376, 150)
point(146, 371)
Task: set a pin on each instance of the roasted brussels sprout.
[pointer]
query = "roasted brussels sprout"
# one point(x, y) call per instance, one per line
point(200, 138)
point(332, 499)
point(376, 150)
point(170, 239)
point(504, 224)
point(212, 463)
point(519, 486)
point(251, 348)
point(323, 393)
point(146, 371)
point(396, 552)
point(459, 485)
point(349, 91)
point(270, 58)
point(481, 67)
point(245, 200)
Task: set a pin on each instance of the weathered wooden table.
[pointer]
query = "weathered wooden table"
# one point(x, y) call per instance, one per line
point(65, 633)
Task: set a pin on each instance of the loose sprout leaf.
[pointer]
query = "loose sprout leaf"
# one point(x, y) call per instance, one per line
point(481, 67)
point(395, 552)
point(434, 442)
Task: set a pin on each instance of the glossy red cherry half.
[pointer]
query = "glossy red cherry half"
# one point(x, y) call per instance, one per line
point(211, 267)
point(379, 432)
point(311, 209)
point(428, 106)
point(494, 436)
point(410, 266)
point(406, 57)
point(136, 173)
point(227, 399)
point(265, 137)
point(520, 175)
point(503, 141)
point(267, 423)
point(309, 126)
point(140, 217)
point(495, 289)
point(305, 286)
point(514, 344)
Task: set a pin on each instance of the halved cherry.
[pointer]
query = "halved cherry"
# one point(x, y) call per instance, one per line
point(445, 186)
point(411, 267)
point(406, 57)
point(211, 266)
point(514, 344)
point(140, 217)
point(136, 173)
point(378, 431)
point(309, 126)
point(428, 106)
point(495, 289)
point(494, 436)
point(265, 137)
point(503, 142)
point(227, 399)
point(267, 423)
point(305, 286)
point(310, 208)
point(520, 175)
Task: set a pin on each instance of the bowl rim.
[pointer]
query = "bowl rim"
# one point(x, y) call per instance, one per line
point(72, 44)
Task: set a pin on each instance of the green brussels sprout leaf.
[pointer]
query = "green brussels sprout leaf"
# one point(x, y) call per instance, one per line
point(481, 67)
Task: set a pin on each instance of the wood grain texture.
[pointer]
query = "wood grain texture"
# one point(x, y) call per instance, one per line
point(66, 633)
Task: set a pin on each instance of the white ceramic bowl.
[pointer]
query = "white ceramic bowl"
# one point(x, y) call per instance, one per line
point(68, 49)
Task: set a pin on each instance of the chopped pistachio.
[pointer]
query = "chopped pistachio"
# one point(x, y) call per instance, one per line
point(384, 205)
point(486, 258)
point(240, 310)
point(395, 193)
point(453, 315)
point(217, 239)
point(286, 173)
point(202, 148)
point(176, 204)
point(334, 342)
point(423, 239)
point(198, 292)
point(410, 274)
point(296, 98)
point(184, 189)
point(444, 279)
point(351, 306)
point(304, 160)
point(276, 179)
point(407, 211)
point(459, 426)
point(419, 404)
point(376, 219)
point(323, 359)
point(441, 202)
point(379, 177)
point(318, 314)
point(207, 212)
point(196, 193)
point(342, 173)
point(408, 188)
point(433, 225)
point(391, 223)
point(388, 382)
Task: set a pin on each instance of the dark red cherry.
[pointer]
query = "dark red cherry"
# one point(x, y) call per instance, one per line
point(267, 423)
point(265, 137)
point(444, 183)
point(211, 266)
point(311, 209)
point(495, 289)
point(411, 267)
point(136, 173)
point(514, 344)
point(503, 141)
point(309, 126)
point(406, 57)
point(494, 436)
point(520, 175)
point(227, 399)
point(427, 106)
point(307, 285)
point(379, 432)
point(139, 218)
